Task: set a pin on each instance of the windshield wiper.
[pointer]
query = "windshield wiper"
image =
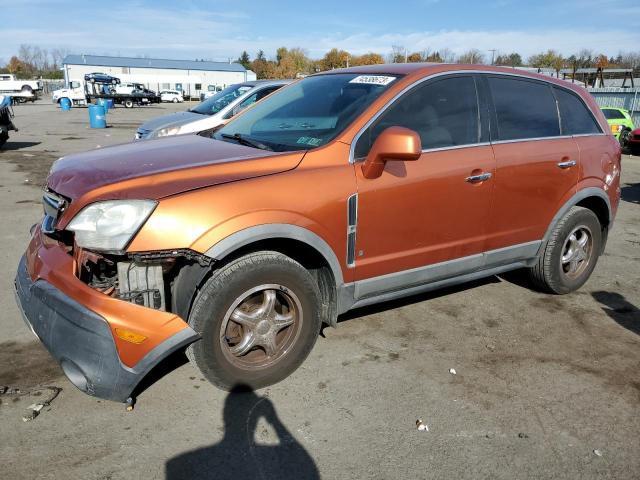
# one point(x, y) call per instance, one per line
point(247, 141)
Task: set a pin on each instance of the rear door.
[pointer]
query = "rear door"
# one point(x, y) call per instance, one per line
point(536, 165)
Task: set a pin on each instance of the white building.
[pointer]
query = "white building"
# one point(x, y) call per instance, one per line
point(187, 76)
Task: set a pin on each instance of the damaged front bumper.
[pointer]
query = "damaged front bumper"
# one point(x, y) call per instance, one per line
point(78, 324)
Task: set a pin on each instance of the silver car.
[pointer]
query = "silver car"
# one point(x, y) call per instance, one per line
point(213, 112)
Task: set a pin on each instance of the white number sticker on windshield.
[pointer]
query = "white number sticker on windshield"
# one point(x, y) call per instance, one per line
point(373, 79)
point(314, 142)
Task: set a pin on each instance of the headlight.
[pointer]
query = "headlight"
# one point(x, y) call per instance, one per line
point(165, 132)
point(111, 224)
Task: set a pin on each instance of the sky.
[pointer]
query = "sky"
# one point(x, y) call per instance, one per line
point(189, 29)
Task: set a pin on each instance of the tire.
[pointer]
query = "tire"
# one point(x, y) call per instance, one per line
point(245, 282)
point(26, 88)
point(635, 150)
point(128, 103)
point(175, 100)
point(555, 271)
point(4, 136)
point(623, 139)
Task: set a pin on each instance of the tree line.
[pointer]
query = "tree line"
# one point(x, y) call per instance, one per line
point(34, 61)
point(289, 63)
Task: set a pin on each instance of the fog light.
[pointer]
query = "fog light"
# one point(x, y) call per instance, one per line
point(129, 336)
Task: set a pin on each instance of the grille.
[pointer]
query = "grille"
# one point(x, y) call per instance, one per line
point(54, 205)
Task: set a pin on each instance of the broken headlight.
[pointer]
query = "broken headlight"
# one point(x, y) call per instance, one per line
point(110, 225)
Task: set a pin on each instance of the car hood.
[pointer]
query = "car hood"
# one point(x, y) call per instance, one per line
point(153, 169)
point(172, 120)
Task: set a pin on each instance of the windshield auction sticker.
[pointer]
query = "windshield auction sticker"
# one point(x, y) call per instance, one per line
point(373, 79)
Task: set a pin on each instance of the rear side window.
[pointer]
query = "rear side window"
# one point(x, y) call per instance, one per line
point(524, 109)
point(575, 117)
point(612, 114)
point(444, 113)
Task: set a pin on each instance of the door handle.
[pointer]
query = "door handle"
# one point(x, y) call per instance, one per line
point(567, 164)
point(478, 178)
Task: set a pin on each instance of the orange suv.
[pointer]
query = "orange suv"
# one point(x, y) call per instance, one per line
point(344, 189)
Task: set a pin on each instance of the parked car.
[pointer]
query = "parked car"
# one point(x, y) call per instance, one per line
point(6, 119)
point(9, 84)
point(620, 122)
point(212, 113)
point(171, 96)
point(128, 88)
point(341, 190)
point(634, 142)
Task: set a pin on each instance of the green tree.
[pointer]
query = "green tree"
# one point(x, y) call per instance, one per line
point(244, 60)
point(511, 60)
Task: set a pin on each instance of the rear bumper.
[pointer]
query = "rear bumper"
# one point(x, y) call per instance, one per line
point(82, 340)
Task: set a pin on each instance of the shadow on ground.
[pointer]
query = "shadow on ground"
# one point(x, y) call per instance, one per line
point(631, 193)
point(619, 309)
point(237, 456)
point(11, 145)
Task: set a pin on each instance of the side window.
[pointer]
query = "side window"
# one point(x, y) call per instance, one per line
point(575, 117)
point(444, 113)
point(524, 109)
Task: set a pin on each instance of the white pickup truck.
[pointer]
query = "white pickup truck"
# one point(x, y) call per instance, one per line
point(20, 90)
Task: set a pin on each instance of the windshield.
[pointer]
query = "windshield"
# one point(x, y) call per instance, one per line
point(221, 99)
point(309, 113)
point(611, 114)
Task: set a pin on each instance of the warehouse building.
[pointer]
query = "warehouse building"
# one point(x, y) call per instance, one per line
point(190, 77)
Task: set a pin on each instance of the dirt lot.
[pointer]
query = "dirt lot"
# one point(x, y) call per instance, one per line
point(542, 381)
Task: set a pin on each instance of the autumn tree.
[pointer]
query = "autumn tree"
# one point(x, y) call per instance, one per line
point(335, 58)
point(548, 59)
point(367, 59)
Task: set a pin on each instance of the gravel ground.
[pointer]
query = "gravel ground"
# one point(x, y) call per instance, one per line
point(545, 386)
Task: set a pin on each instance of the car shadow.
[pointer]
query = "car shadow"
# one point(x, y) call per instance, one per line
point(11, 145)
point(619, 309)
point(631, 193)
point(237, 456)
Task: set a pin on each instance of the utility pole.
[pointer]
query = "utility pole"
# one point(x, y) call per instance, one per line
point(493, 54)
point(406, 55)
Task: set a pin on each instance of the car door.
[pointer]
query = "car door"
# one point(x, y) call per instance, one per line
point(420, 215)
point(536, 165)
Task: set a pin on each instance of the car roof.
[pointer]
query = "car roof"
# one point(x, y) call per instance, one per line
point(427, 68)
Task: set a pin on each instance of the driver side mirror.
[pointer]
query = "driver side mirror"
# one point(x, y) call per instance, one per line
point(394, 143)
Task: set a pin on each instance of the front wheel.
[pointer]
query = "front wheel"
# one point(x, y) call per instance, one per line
point(259, 317)
point(128, 104)
point(175, 100)
point(571, 253)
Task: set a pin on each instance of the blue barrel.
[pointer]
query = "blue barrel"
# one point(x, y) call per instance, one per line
point(65, 104)
point(97, 117)
point(104, 103)
point(110, 103)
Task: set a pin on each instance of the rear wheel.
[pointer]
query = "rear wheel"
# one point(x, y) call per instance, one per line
point(175, 100)
point(128, 103)
point(259, 317)
point(570, 254)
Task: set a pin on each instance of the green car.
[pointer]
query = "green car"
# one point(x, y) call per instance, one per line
point(620, 122)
